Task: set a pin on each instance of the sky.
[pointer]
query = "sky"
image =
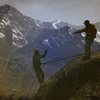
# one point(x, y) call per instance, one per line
point(71, 11)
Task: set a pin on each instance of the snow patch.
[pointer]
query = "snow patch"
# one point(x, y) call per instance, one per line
point(83, 41)
point(78, 45)
point(97, 39)
point(83, 34)
point(15, 36)
point(38, 22)
point(17, 31)
point(70, 31)
point(2, 35)
point(54, 39)
point(98, 32)
point(2, 23)
point(15, 44)
point(19, 36)
point(25, 20)
point(6, 21)
point(14, 31)
point(46, 42)
point(55, 24)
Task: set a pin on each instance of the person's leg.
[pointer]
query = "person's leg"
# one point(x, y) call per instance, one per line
point(88, 47)
point(40, 76)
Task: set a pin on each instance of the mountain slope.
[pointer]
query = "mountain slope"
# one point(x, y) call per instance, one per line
point(25, 33)
point(75, 81)
point(22, 34)
point(19, 25)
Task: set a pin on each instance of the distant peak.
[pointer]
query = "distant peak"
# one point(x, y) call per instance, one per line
point(57, 21)
point(5, 8)
point(7, 5)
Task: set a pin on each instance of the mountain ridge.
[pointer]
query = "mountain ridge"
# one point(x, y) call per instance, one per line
point(24, 34)
point(75, 81)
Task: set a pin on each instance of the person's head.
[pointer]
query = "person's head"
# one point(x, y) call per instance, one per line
point(86, 22)
point(35, 51)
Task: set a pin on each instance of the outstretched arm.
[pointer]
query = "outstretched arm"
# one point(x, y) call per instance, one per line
point(79, 31)
point(45, 53)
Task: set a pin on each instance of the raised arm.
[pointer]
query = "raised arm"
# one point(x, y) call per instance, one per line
point(45, 53)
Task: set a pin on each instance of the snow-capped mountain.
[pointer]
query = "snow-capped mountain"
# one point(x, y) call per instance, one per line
point(17, 25)
point(25, 33)
point(22, 29)
point(58, 24)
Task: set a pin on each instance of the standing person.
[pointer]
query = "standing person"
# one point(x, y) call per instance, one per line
point(37, 65)
point(91, 32)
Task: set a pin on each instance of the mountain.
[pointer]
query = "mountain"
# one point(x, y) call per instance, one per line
point(19, 34)
point(78, 80)
point(98, 25)
point(19, 25)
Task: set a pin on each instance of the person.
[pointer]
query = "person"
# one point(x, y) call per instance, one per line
point(37, 65)
point(90, 31)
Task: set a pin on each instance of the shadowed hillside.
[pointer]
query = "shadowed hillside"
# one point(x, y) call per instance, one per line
point(75, 81)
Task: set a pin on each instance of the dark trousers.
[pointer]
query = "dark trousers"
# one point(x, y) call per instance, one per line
point(89, 41)
point(39, 74)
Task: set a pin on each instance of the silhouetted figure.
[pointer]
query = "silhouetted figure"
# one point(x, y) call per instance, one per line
point(37, 65)
point(90, 31)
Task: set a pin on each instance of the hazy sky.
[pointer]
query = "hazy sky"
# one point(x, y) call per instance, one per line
point(71, 11)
